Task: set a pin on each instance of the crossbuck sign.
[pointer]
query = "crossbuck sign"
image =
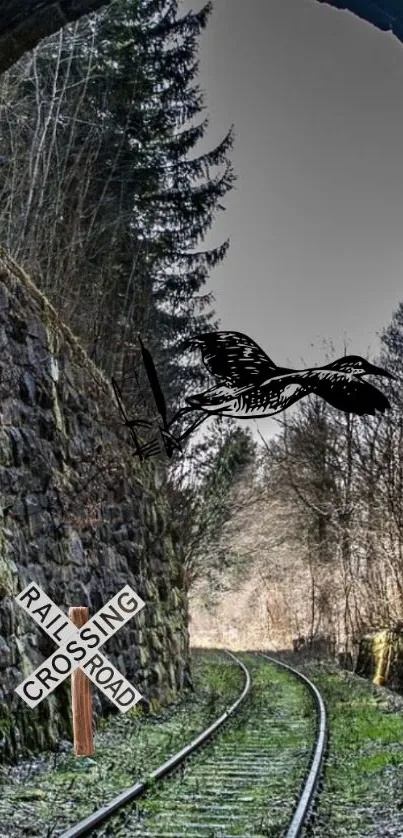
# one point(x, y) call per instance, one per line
point(76, 647)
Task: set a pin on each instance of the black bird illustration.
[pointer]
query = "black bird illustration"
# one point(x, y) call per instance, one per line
point(252, 385)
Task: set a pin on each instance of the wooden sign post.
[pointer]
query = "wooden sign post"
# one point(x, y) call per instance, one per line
point(81, 706)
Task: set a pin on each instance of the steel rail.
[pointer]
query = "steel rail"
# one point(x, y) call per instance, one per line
point(311, 783)
point(85, 826)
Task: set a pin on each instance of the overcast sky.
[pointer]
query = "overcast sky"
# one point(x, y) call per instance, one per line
point(316, 220)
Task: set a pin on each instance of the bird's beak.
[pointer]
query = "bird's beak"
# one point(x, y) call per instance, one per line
point(380, 371)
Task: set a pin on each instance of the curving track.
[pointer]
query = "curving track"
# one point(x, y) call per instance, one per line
point(214, 794)
point(312, 779)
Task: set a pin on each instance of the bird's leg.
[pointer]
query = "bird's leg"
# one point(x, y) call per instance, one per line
point(179, 413)
point(140, 423)
point(172, 442)
point(148, 449)
point(130, 423)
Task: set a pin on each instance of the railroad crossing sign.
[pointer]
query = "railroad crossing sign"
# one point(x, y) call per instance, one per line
point(76, 647)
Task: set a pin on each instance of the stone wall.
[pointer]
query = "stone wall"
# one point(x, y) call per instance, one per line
point(79, 515)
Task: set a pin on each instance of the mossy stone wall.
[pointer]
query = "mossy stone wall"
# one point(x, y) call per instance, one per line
point(79, 515)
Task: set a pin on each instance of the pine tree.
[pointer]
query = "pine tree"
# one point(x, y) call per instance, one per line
point(126, 203)
point(176, 197)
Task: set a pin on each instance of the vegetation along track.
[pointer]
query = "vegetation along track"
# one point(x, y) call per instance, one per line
point(251, 780)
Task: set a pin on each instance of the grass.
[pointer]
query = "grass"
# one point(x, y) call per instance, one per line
point(127, 748)
point(363, 784)
point(246, 781)
point(363, 788)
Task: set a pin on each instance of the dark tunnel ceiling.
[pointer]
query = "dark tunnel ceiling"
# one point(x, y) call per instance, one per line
point(384, 14)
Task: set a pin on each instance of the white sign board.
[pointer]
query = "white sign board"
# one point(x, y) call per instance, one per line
point(76, 647)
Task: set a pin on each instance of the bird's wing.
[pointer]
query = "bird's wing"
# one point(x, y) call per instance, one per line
point(352, 395)
point(233, 357)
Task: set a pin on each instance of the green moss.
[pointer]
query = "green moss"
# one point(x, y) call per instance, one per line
point(155, 705)
point(169, 550)
point(5, 719)
point(175, 598)
point(143, 657)
point(155, 641)
point(24, 662)
point(52, 344)
point(8, 573)
point(150, 590)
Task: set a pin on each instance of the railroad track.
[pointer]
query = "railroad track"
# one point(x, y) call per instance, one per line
point(225, 788)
